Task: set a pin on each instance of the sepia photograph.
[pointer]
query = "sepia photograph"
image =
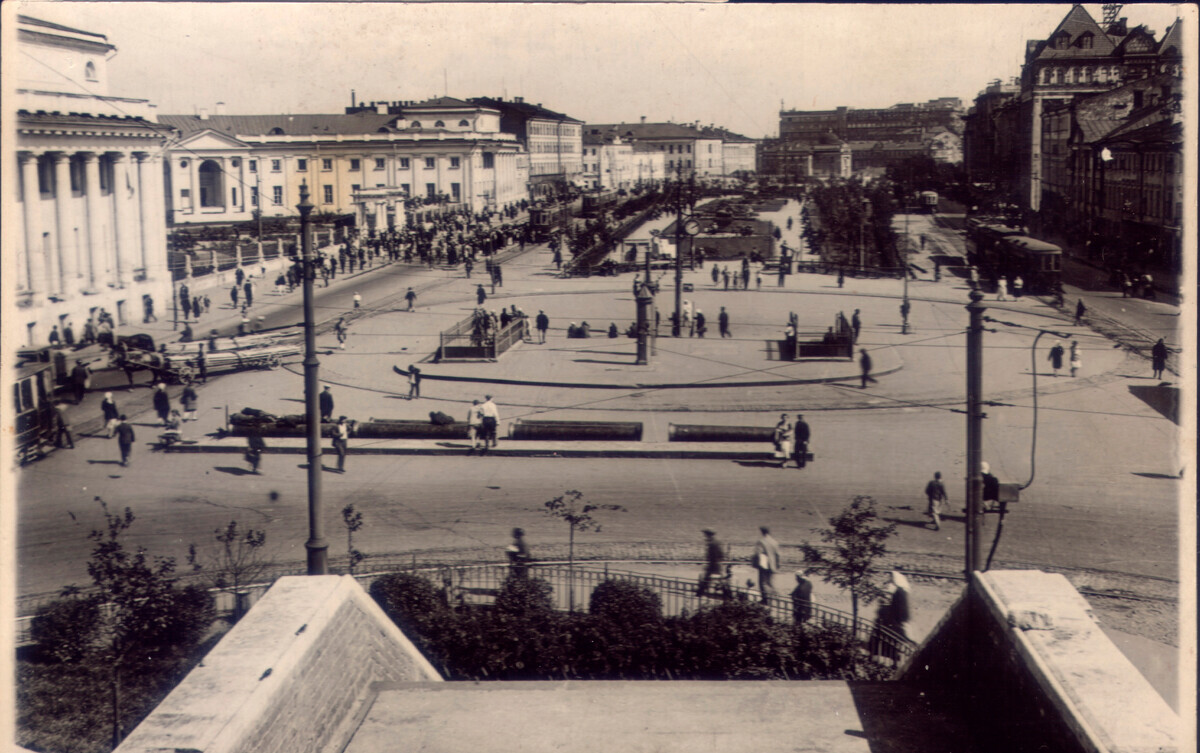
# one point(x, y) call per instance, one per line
point(417, 376)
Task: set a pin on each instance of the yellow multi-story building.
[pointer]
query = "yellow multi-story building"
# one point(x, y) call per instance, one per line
point(224, 167)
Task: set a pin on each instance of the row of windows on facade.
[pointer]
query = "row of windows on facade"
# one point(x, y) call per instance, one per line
point(1060, 74)
point(563, 129)
point(489, 162)
point(1151, 202)
point(553, 148)
point(209, 195)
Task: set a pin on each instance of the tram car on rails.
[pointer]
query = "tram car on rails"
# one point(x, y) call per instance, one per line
point(1004, 252)
point(34, 410)
point(599, 201)
point(545, 220)
point(928, 201)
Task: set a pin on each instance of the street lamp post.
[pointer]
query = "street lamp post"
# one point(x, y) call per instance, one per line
point(678, 323)
point(904, 307)
point(974, 533)
point(316, 545)
point(862, 235)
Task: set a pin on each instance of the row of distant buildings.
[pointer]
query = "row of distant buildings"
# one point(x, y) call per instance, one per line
point(1087, 143)
point(102, 178)
point(846, 140)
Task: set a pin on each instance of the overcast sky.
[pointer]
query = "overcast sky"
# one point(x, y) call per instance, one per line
point(730, 65)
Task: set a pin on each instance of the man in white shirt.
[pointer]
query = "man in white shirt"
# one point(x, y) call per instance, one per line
point(490, 421)
point(474, 420)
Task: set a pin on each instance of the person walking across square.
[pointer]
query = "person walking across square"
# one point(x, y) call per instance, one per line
point(325, 402)
point(864, 363)
point(766, 561)
point(189, 398)
point(490, 421)
point(108, 407)
point(474, 424)
point(125, 439)
point(341, 442)
point(1055, 357)
point(414, 382)
point(62, 428)
point(162, 402)
point(935, 493)
point(800, 437)
point(411, 296)
point(855, 324)
point(723, 323)
point(1158, 358)
point(713, 556)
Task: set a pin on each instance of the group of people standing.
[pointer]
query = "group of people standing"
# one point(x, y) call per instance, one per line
point(483, 420)
point(791, 441)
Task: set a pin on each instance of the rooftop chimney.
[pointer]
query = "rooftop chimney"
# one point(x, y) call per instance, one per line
point(220, 109)
point(643, 119)
point(353, 99)
point(204, 113)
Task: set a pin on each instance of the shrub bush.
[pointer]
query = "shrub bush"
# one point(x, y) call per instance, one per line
point(413, 603)
point(525, 597)
point(626, 603)
point(64, 630)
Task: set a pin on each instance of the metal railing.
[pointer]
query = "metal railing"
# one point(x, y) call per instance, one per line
point(571, 590)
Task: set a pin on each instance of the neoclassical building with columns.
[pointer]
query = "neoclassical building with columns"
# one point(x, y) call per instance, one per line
point(89, 226)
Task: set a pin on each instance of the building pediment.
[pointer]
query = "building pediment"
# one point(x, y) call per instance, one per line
point(209, 140)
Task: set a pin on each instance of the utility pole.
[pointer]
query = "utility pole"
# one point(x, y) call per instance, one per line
point(678, 323)
point(974, 537)
point(259, 209)
point(316, 545)
point(904, 307)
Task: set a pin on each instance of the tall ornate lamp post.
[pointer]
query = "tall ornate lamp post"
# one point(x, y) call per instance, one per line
point(316, 545)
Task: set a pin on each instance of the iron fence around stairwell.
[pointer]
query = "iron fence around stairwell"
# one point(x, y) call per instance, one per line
point(478, 585)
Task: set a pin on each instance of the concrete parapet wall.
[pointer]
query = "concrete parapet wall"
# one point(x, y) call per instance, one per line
point(1037, 673)
point(293, 675)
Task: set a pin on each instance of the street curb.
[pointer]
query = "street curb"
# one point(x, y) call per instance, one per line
point(641, 386)
point(649, 454)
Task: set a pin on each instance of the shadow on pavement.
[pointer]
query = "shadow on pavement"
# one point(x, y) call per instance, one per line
point(1147, 474)
point(1162, 398)
point(233, 471)
point(924, 524)
point(757, 463)
point(104, 462)
point(598, 360)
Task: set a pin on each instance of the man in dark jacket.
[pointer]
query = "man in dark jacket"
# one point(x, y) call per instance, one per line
point(162, 402)
point(326, 402)
point(125, 439)
point(543, 324)
point(713, 556)
point(801, 442)
point(81, 377)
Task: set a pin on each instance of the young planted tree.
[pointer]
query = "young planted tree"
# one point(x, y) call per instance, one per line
point(238, 559)
point(141, 614)
point(856, 541)
point(571, 507)
point(353, 520)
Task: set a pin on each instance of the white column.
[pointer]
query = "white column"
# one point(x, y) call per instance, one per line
point(157, 253)
point(145, 181)
point(94, 257)
point(125, 234)
point(35, 269)
point(194, 174)
point(64, 265)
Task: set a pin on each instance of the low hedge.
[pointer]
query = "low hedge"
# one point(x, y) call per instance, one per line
point(623, 636)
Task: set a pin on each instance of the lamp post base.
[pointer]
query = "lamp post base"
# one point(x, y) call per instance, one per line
point(318, 561)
